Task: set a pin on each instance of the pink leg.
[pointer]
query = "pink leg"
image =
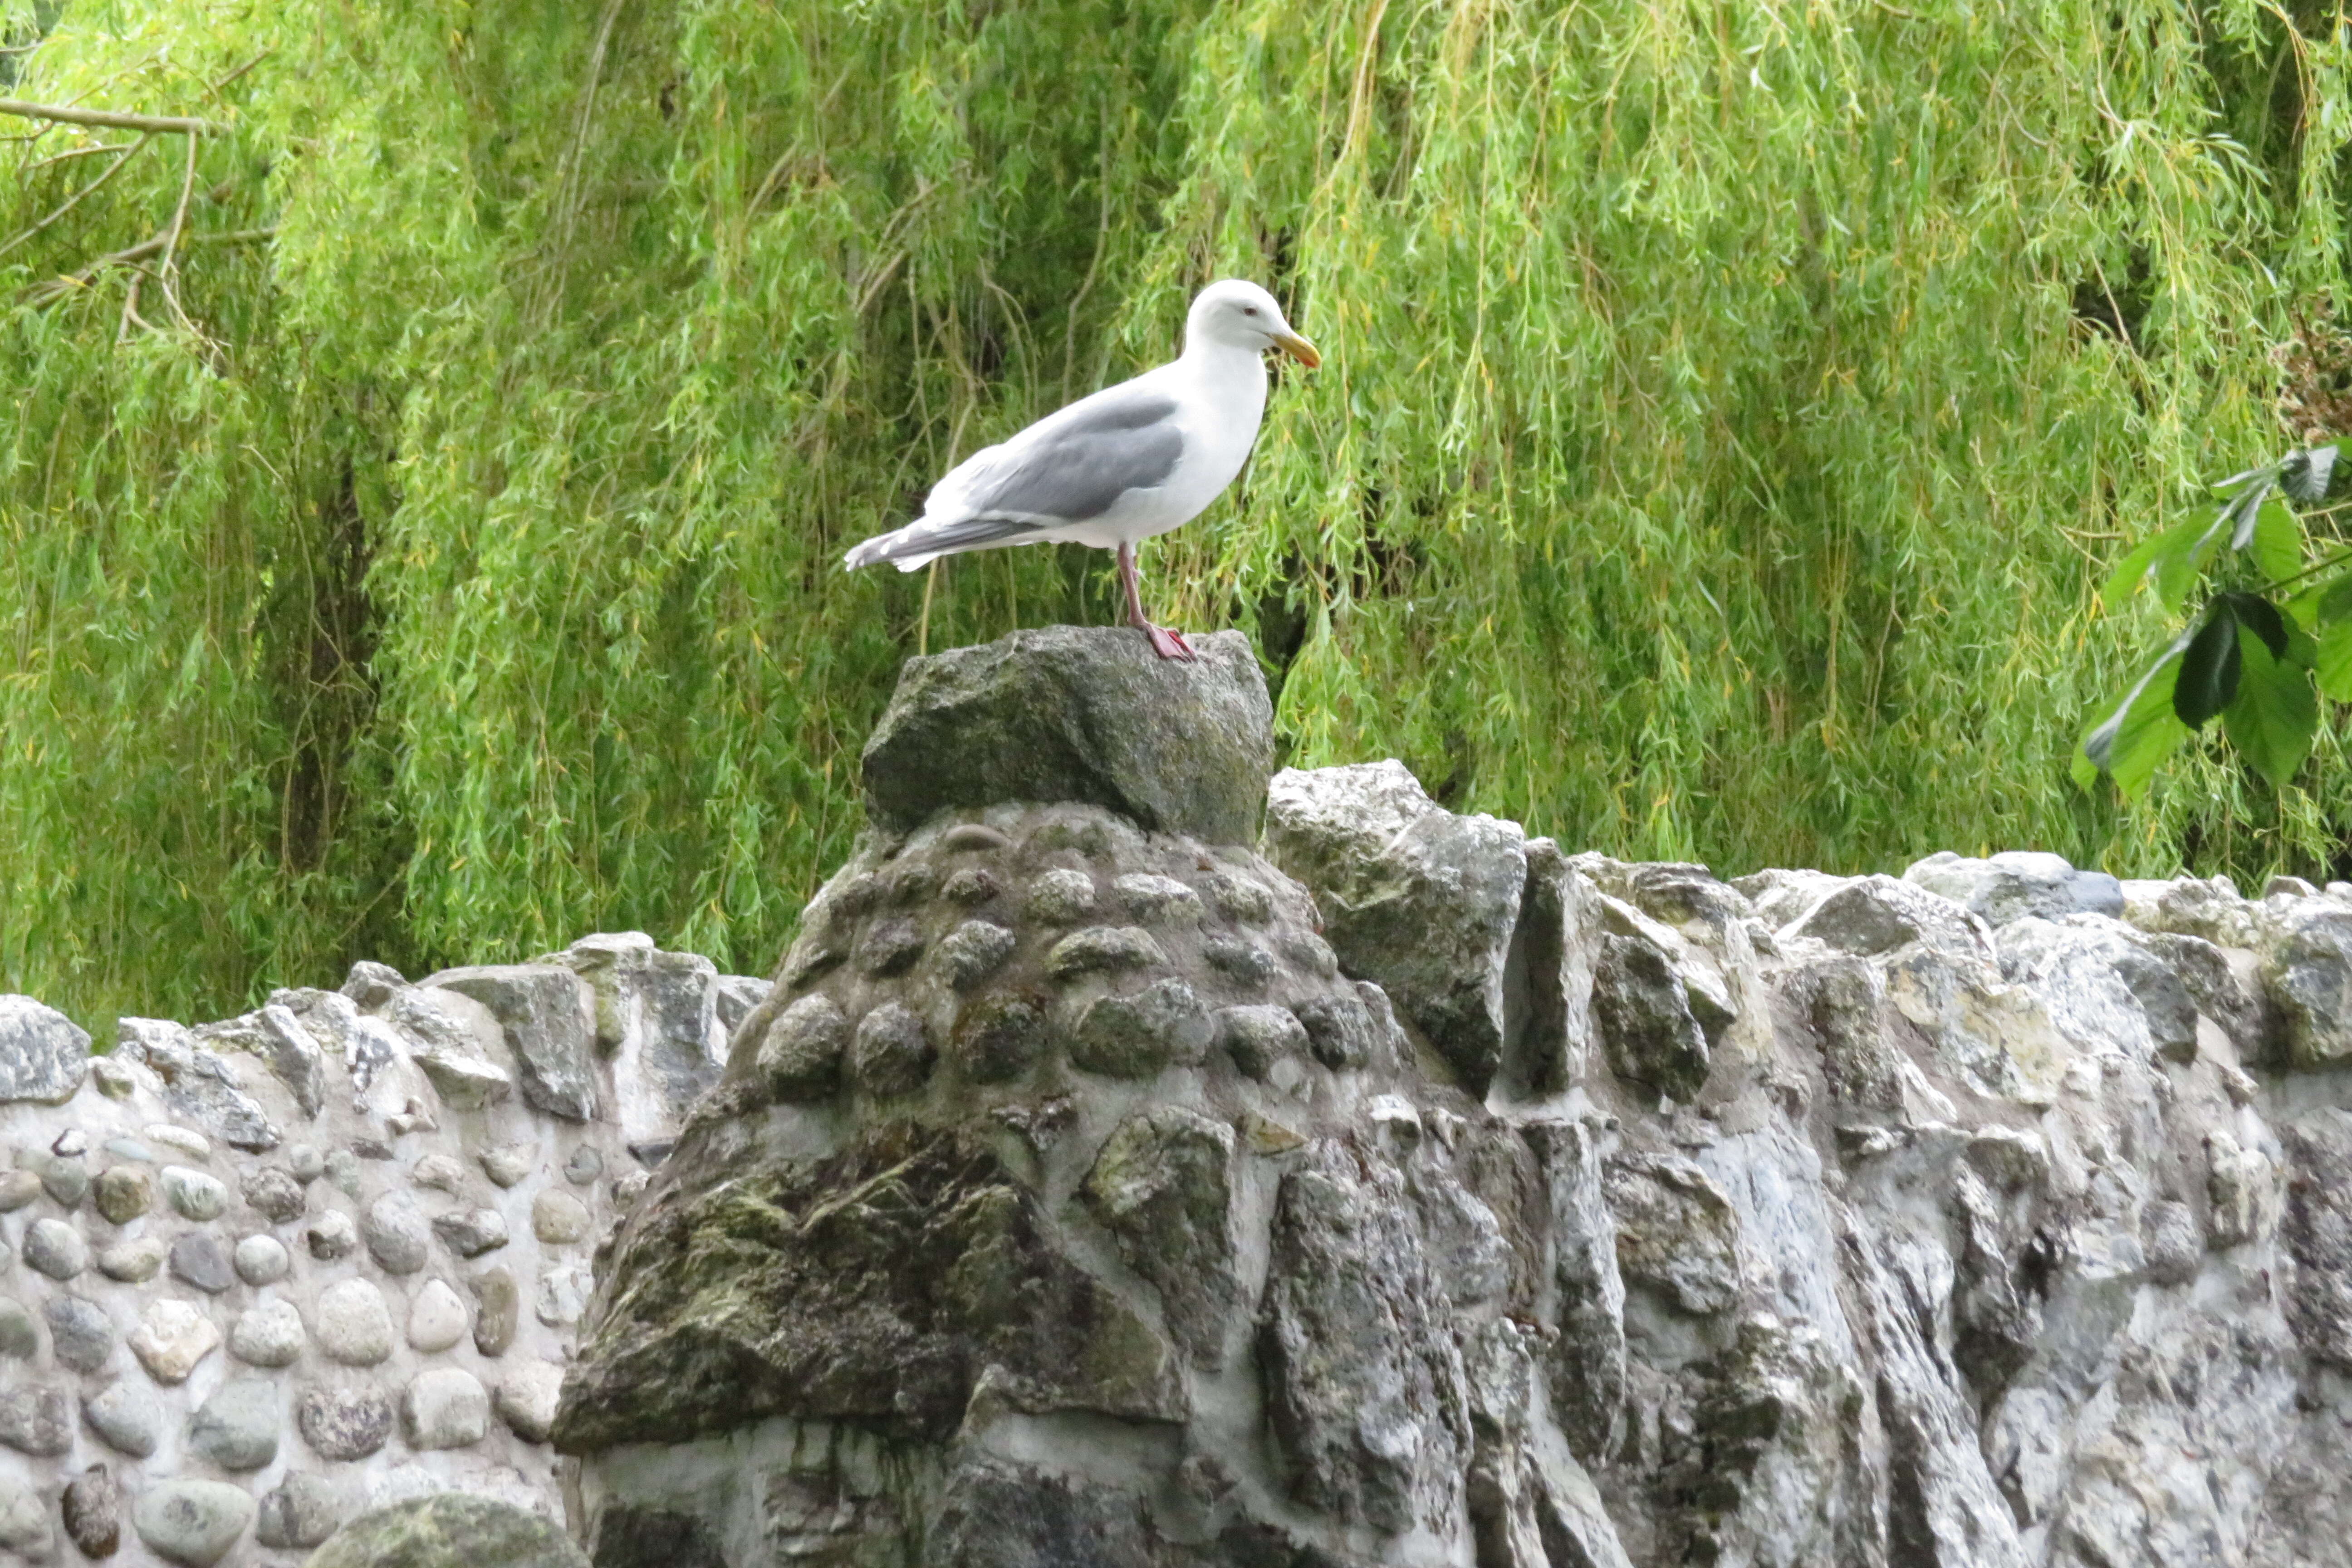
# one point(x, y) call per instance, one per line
point(1165, 643)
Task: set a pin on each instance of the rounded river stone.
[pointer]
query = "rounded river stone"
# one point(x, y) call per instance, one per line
point(193, 1524)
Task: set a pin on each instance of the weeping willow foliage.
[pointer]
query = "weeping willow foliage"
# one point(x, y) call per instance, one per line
point(1727, 411)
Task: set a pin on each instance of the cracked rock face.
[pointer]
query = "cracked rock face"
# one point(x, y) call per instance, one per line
point(1093, 1190)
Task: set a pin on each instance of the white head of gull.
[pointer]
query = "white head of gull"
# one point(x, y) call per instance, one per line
point(1132, 460)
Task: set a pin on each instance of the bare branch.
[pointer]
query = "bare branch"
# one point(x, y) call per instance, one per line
point(74, 200)
point(154, 124)
point(72, 153)
point(52, 289)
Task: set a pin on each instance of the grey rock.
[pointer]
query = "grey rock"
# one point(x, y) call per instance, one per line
point(343, 1173)
point(469, 1233)
point(1059, 896)
point(92, 1508)
point(1154, 899)
point(20, 1340)
point(19, 1188)
point(352, 1324)
point(999, 1035)
point(1676, 1232)
point(449, 1528)
point(1162, 1185)
point(306, 1163)
point(800, 1057)
point(1418, 900)
point(2103, 987)
point(1079, 714)
point(888, 947)
point(526, 1399)
point(562, 1297)
point(197, 1259)
point(2169, 1237)
point(260, 1260)
point(274, 1194)
point(53, 1247)
point(548, 1013)
point(268, 1334)
point(1559, 935)
point(236, 1427)
point(437, 1318)
point(132, 1262)
point(65, 1181)
point(1339, 1030)
point(124, 1193)
point(395, 1232)
point(558, 1218)
point(125, 1418)
point(1641, 1007)
point(25, 1521)
point(2015, 883)
point(1103, 950)
point(2317, 1228)
point(584, 1165)
point(80, 1335)
point(444, 1407)
point(194, 1523)
point(995, 1514)
point(736, 996)
point(975, 951)
point(371, 985)
point(344, 1423)
point(36, 1419)
point(1376, 1436)
point(332, 1235)
point(2307, 967)
point(1257, 1037)
point(892, 1053)
point(1588, 1360)
point(171, 1337)
point(192, 1194)
point(198, 1084)
point(1160, 1026)
point(1242, 963)
point(497, 1311)
point(293, 1057)
point(300, 1511)
point(1870, 915)
point(509, 1163)
point(43, 1053)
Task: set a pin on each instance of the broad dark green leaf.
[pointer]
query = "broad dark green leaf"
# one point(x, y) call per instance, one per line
point(2177, 570)
point(2140, 730)
point(2275, 714)
point(2208, 668)
point(2259, 616)
point(2305, 475)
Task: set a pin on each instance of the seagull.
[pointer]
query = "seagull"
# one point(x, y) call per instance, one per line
point(1132, 460)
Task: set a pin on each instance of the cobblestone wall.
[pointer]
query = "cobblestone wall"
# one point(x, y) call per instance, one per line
point(265, 1273)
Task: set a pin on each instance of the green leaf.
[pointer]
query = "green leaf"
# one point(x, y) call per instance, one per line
point(2210, 668)
point(2305, 475)
point(2140, 730)
point(2176, 573)
point(2334, 666)
point(2134, 568)
point(2275, 714)
point(2278, 542)
point(2259, 616)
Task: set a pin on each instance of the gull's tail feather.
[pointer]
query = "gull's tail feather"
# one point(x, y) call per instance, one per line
point(920, 542)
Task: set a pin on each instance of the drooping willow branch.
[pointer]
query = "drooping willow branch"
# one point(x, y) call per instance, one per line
point(154, 124)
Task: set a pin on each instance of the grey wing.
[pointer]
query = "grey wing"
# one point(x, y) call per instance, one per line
point(1079, 465)
point(1073, 469)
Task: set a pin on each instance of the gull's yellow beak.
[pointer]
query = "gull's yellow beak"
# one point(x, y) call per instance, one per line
point(1298, 348)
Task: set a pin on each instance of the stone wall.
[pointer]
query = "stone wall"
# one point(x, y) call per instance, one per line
point(265, 1273)
point(1105, 1187)
point(1146, 1160)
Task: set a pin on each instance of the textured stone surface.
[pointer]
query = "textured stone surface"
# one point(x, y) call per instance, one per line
point(237, 1426)
point(80, 1334)
point(92, 1507)
point(2003, 888)
point(1079, 714)
point(353, 1325)
point(343, 1421)
point(268, 1334)
point(260, 1260)
point(197, 1259)
point(437, 1532)
point(53, 1247)
point(43, 1053)
point(1413, 897)
point(194, 1523)
point(444, 1408)
point(549, 1017)
point(437, 1318)
point(125, 1418)
point(35, 1419)
point(526, 1399)
point(300, 1511)
point(171, 1337)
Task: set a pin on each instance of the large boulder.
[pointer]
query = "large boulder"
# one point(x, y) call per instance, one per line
point(43, 1053)
point(2017, 882)
point(449, 1529)
point(1413, 897)
point(1081, 714)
